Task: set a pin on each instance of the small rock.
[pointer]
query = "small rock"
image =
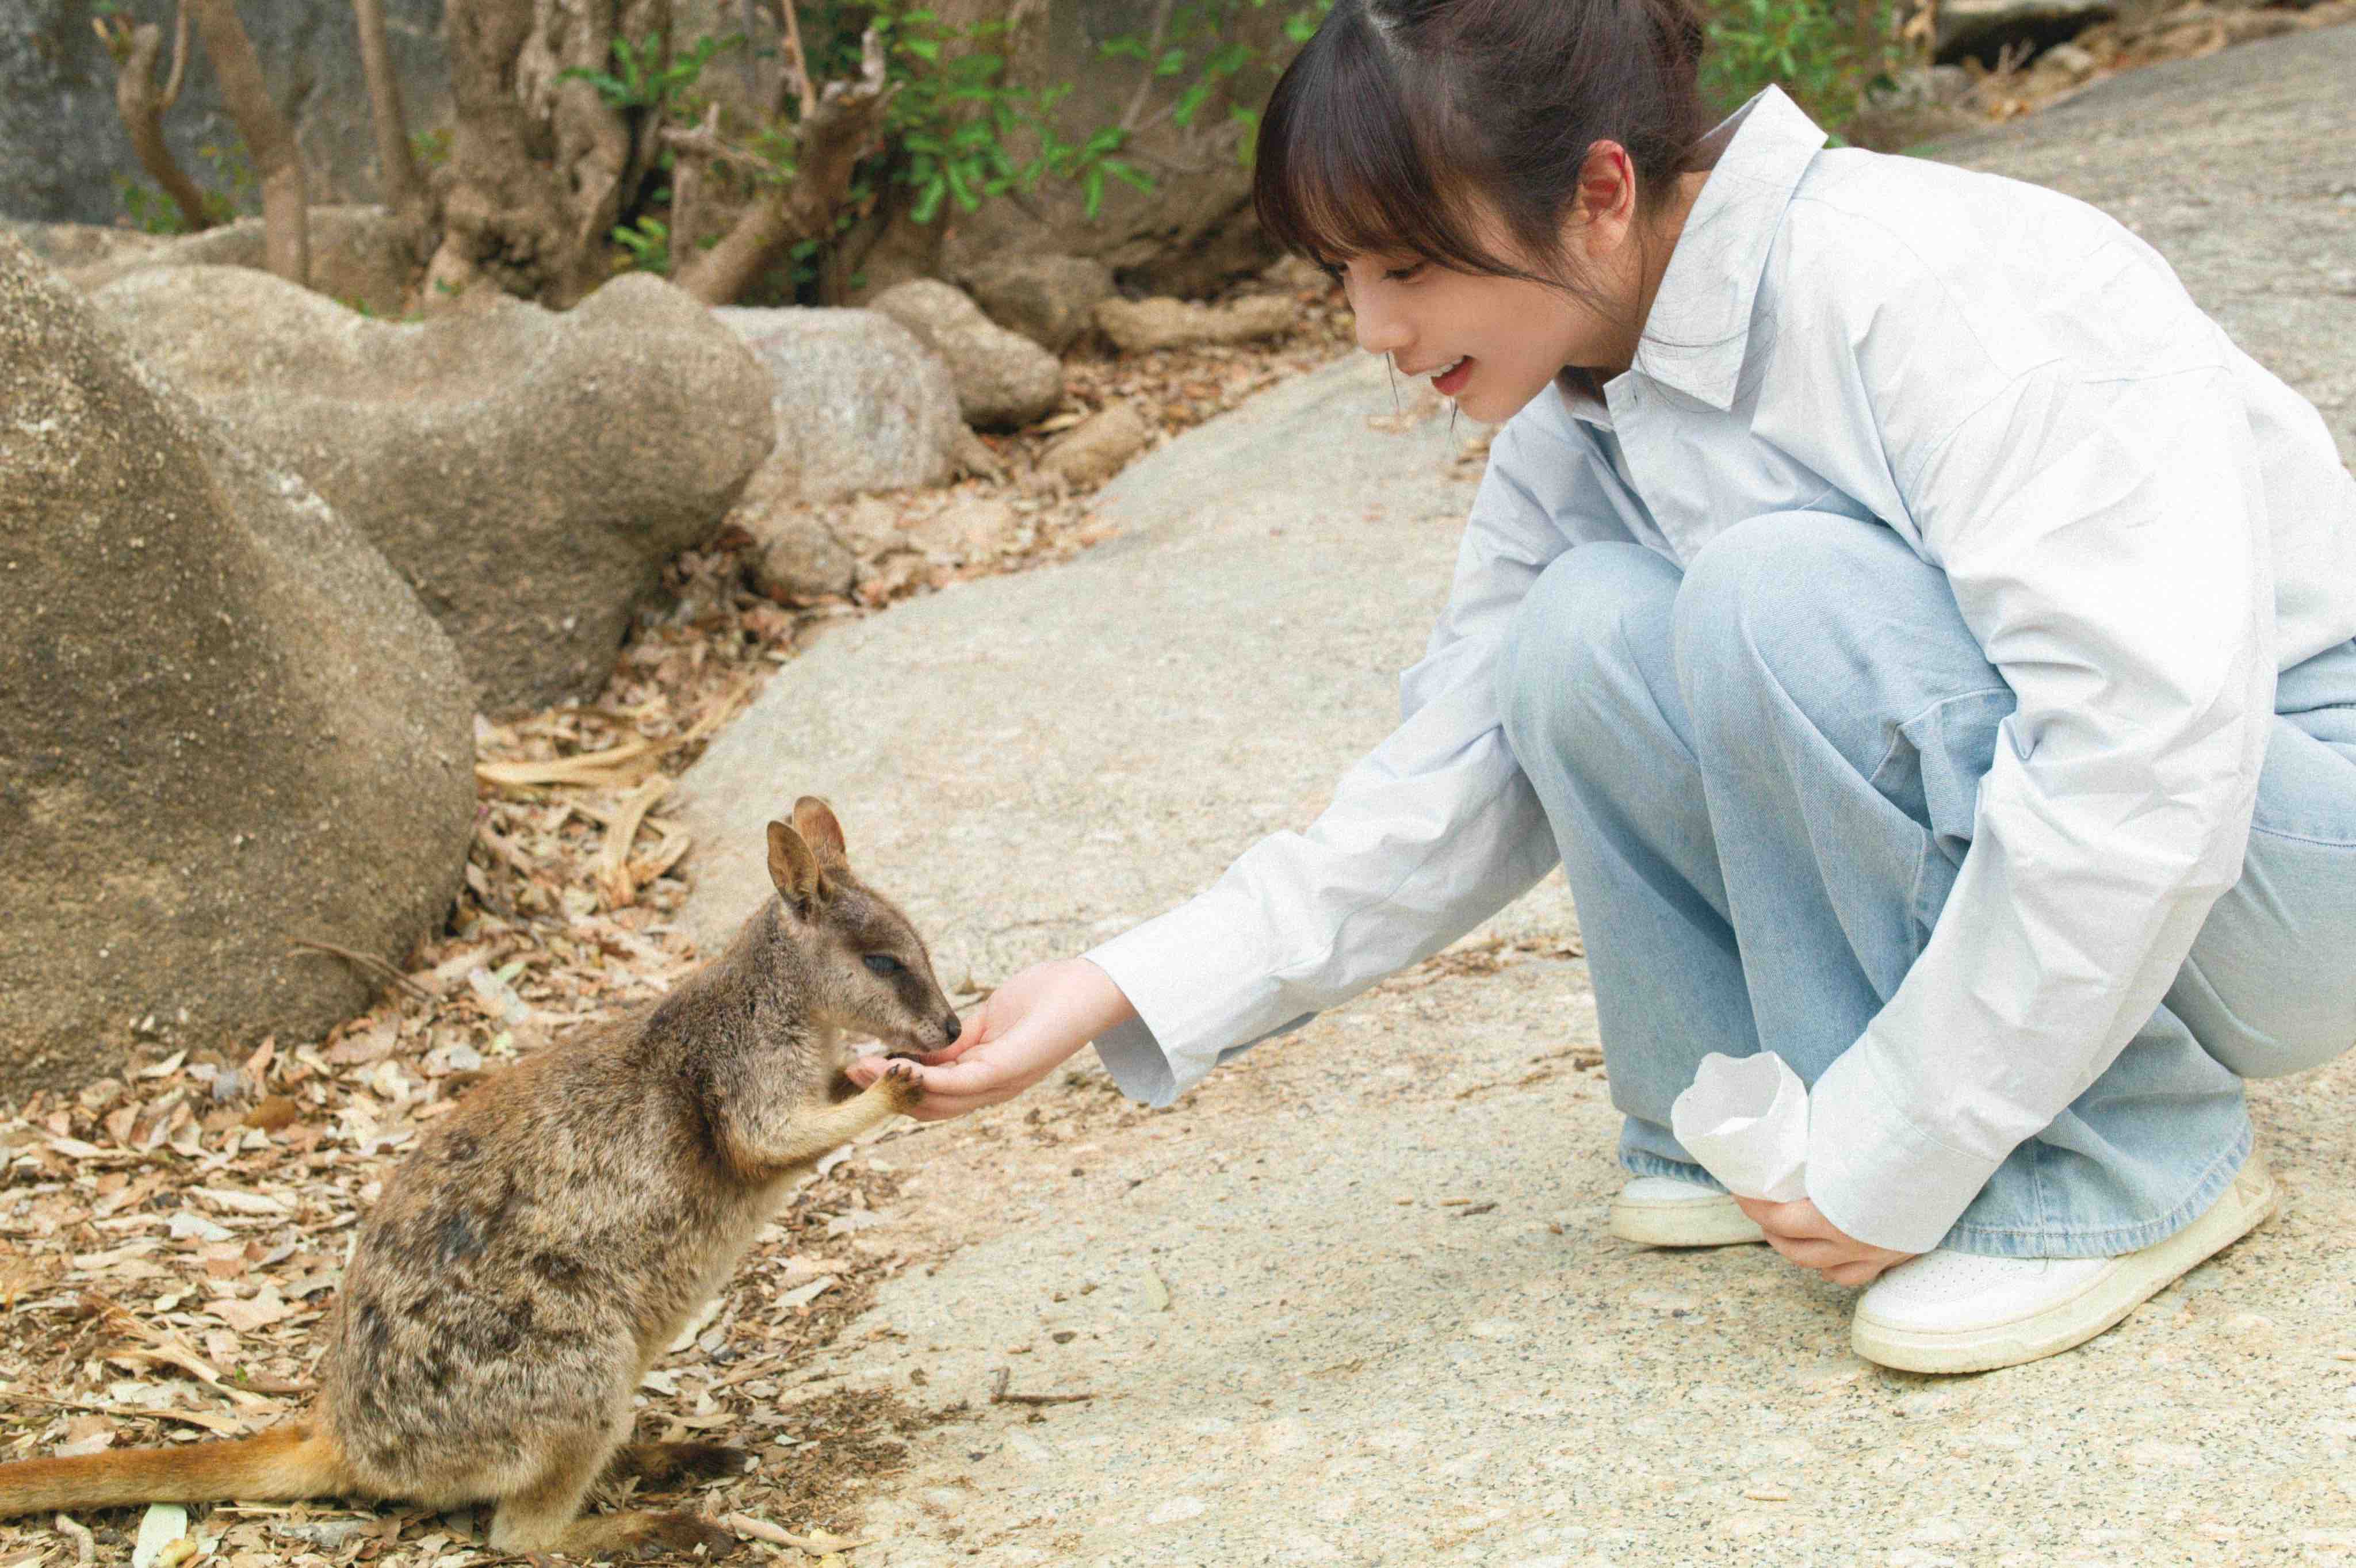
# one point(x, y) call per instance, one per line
point(1098, 448)
point(2069, 59)
point(1048, 299)
point(1137, 326)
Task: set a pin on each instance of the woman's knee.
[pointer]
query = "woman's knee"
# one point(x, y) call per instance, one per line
point(1568, 642)
point(1795, 611)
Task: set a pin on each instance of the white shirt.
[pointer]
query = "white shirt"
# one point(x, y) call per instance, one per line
point(2141, 525)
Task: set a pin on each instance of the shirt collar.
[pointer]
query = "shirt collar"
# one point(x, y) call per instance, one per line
point(1699, 326)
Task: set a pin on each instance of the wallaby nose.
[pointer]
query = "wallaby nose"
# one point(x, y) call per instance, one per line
point(950, 1027)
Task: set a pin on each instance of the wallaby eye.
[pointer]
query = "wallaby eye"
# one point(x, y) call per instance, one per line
point(884, 964)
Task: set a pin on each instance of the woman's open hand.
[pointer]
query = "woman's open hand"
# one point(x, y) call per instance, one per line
point(1800, 1231)
point(1020, 1033)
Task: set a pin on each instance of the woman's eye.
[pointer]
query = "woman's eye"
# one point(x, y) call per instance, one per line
point(884, 963)
point(1400, 274)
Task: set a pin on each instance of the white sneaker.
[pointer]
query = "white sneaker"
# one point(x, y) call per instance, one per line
point(1662, 1211)
point(1958, 1312)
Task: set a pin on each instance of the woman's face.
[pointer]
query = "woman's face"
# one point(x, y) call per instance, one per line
point(1490, 343)
point(1493, 343)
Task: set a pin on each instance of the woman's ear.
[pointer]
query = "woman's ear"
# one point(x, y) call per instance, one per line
point(1605, 206)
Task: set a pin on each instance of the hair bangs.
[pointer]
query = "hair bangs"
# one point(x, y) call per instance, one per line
point(1342, 169)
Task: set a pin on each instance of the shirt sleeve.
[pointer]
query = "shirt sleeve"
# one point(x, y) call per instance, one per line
point(1425, 838)
point(2107, 543)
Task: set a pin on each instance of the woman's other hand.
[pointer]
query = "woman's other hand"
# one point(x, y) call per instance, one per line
point(1020, 1033)
point(1800, 1231)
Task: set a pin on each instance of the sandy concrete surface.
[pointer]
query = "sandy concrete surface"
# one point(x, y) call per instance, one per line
point(1352, 1301)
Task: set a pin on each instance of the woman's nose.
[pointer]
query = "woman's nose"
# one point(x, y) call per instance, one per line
point(1381, 330)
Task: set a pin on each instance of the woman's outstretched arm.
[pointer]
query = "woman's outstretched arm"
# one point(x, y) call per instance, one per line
point(1022, 1032)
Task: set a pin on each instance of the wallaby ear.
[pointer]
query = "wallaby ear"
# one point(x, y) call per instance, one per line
point(796, 871)
point(814, 819)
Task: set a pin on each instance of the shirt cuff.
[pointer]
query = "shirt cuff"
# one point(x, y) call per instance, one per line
point(1180, 971)
point(1873, 1172)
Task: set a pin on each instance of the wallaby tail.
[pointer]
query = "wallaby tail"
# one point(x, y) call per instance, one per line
point(283, 1464)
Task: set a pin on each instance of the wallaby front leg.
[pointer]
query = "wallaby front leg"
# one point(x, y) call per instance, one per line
point(813, 1129)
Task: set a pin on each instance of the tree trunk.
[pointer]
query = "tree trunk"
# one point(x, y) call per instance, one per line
point(542, 167)
point(832, 141)
point(142, 108)
point(396, 165)
point(286, 219)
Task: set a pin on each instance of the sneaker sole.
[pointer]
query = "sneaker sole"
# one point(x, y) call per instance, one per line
point(2108, 1297)
point(1684, 1222)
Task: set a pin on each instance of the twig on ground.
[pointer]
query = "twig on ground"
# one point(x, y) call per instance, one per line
point(365, 961)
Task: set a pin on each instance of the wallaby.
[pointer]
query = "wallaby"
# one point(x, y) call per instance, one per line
point(548, 1238)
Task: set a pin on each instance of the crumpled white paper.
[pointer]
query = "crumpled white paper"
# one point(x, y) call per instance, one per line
point(1746, 1119)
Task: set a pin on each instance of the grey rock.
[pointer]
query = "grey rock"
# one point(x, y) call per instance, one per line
point(359, 256)
point(529, 472)
point(63, 151)
point(225, 721)
point(1049, 299)
point(1140, 325)
point(859, 404)
point(1004, 381)
point(1100, 447)
point(67, 246)
point(797, 555)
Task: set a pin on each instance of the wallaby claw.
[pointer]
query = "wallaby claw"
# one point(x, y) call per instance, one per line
point(899, 1084)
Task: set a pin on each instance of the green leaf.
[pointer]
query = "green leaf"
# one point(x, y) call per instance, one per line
point(923, 48)
point(1092, 191)
point(927, 202)
point(1171, 62)
point(1183, 112)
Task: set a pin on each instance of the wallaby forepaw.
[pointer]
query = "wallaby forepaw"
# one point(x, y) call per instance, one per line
point(899, 1086)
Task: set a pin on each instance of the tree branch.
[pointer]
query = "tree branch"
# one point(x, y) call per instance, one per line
point(830, 143)
point(284, 213)
point(404, 192)
point(135, 49)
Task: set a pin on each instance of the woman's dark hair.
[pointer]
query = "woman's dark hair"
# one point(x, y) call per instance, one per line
point(1397, 111)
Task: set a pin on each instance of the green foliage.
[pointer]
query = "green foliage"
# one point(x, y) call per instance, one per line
point(1825, 53)
point(1197, 51)
point(647, 243)
point(957, 132)
point(645, 77)
point(430, 148)
point(234, 188)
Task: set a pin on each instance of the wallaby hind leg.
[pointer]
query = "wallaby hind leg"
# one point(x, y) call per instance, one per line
point(546, 1515)
point(662, 1463)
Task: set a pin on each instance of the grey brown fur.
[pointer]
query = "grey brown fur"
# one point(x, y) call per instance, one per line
point(548, 1240)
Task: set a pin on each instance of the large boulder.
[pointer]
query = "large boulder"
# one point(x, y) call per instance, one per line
point(225, 724)
point(858, 404)
point(527, 471)
point(1004, 381)
point(359, 255)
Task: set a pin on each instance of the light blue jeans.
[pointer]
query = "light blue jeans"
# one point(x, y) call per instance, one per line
point(1625, 690)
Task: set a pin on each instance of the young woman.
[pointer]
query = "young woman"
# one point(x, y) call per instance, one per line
point(1922, 636)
